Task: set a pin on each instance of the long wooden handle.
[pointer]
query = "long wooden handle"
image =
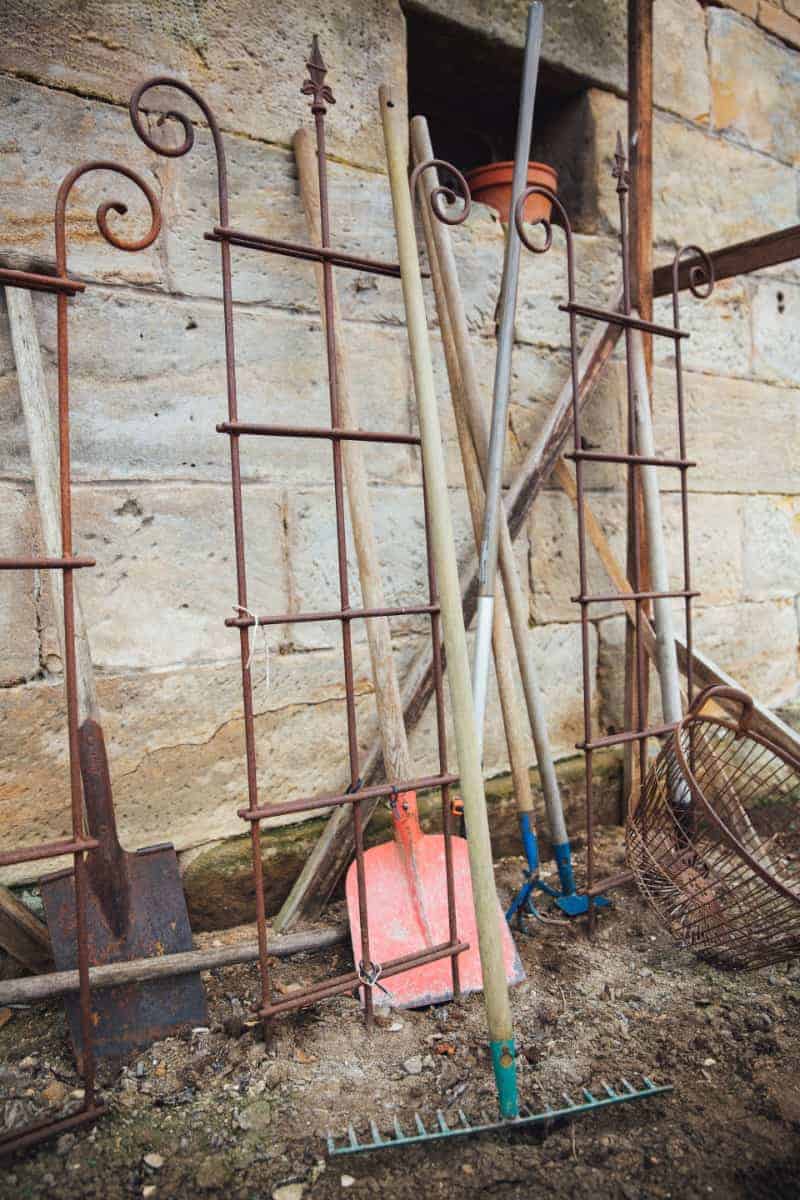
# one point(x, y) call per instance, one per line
point(41, 427)
point(487, 911)
point(452, 316)
point(396, 756)
point(501, 641)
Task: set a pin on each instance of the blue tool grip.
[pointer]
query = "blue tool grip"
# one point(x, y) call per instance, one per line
point(564, 863)
point(529, 843)
point(504, 1056)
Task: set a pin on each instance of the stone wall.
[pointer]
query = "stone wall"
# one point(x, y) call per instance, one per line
point(152, 494)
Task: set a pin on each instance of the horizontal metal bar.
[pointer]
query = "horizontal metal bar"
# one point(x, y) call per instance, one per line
point(310, 803)
point(346, 983)
point(642, 460)
point(619, 739)
point(9, 858)
point(334, 435)
point(617, 318)
point(40, 283)
point(623, 596)
point(20, 1139)
point(741, 258)
point(45, 564)
point(338, 258)
point(333, 614)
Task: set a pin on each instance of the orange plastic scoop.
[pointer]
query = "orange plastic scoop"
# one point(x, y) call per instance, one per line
point(408, 913)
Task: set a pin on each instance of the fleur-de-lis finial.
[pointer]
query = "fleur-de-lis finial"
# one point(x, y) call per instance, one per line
point(315, 86)
point(620, 171)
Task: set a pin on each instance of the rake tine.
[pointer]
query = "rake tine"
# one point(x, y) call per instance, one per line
point(377, 1140)
point(649, 1083)
point(462, 1116)
point(569, 1100)
point(445, 1128)
point(398, 1131)
point(630, 1090)
point(351, 1133)
point(590, 1099)
point(331, 1143)
point(609, 1090)
point(420, 1127)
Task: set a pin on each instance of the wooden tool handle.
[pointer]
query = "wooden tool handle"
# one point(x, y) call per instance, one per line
point(487, 910)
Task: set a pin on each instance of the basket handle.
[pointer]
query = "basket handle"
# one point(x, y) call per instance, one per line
point(724, 692)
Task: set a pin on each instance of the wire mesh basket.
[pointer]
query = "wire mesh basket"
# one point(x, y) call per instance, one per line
point(710, 840)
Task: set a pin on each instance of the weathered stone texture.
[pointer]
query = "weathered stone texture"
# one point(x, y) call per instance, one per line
point(45, 134)
point(244, 66)
point(776, 340)
point(771, 537)
point(744, 435)
point(680, 61)
point(720, 329)
point(148, 388)
point(701, 185)
point(755, 85)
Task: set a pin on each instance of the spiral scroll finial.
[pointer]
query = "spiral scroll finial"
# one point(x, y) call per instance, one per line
point(538, 189)
point(103, 210)
point(138, 114)
point(441, 194)
point(701, 272)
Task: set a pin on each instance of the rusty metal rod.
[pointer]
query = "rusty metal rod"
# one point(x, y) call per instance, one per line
point(30, 563)
point(333, 614)
point(310, 803)
point(331, 435)
point(624, 320)
point(322, 254)
point(39, 283)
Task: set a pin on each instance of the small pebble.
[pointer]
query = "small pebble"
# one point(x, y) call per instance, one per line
point(65, 1143)
point(413, 1065)
point(288, 1191)
point(148, 1191)
point(154, 1161)
point(347, 1181)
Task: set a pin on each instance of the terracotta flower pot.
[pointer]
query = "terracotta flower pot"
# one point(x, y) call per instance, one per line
point(492, 185)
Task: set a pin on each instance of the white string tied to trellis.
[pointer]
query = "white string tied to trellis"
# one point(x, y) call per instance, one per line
point(243, 610)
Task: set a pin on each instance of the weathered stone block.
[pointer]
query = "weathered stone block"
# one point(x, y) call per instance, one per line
point(776, 21)
point(720, 329)
point(755, 643)
point(148, 389)
point(165, 578)
point(776, 342)
point(543, 286)
point(106, 52)
point(745, 436)
point(176, 748)
point(771, 536)
point(399, 523)
point(755, 85)
point(680, 67)
point(19, 639)
point(737, 194)
point(45, 134)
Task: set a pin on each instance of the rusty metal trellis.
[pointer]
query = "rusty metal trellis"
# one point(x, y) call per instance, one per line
point(701, 283)
point(64, 288)
point(367, 972)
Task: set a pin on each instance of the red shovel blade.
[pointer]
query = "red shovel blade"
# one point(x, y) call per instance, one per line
point(408, 913)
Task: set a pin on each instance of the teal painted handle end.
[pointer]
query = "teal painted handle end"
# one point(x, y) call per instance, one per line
point(504, 1061)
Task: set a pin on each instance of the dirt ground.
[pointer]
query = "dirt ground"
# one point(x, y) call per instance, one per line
point(217, 1113)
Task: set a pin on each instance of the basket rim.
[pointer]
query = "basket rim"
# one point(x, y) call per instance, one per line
point(741, 733)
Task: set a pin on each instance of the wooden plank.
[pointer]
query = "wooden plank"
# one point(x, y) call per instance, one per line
point(769, 250)
point(137, 970)
point(334, 849)
point(22, 935)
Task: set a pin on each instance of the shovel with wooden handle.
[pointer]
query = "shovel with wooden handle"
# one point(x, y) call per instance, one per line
point(406, 880)
point(135, 909)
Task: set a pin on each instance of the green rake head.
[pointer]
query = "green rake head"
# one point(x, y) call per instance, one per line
point(377, 1140)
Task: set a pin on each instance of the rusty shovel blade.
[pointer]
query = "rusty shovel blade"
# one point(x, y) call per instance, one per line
point(135, 909)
